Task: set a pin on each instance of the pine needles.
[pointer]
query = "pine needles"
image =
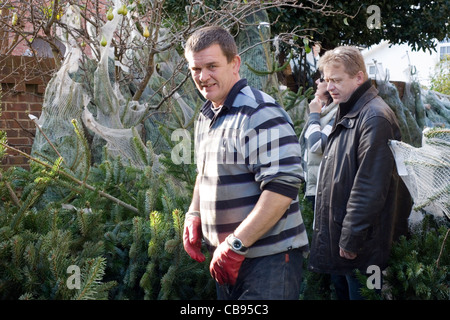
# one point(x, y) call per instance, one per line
point(62, 238)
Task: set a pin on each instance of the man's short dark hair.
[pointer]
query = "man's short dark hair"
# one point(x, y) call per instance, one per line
point(208, 36)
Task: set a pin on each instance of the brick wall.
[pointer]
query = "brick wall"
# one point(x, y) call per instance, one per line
point(22, 96)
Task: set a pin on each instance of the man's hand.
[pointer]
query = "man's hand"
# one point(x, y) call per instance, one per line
point(192, 236)
point(225, 264)
point(347, 254)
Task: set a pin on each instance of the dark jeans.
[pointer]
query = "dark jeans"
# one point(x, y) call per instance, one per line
point(274, 277)
point(347, 287)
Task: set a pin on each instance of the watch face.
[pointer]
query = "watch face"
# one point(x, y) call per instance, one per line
point(237, 244)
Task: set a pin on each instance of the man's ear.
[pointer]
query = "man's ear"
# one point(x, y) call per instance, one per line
point(360, 78)
point(237, 63)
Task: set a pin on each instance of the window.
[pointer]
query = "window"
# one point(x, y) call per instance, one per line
point(445, 50)
point(374, 69)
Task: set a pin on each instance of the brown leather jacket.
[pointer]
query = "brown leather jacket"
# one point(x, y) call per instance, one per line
point(362, 204)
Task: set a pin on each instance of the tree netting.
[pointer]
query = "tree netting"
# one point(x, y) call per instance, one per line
point(112, 118)
point(426, 171)
point(423, 155)
point(92, 92)
point(64, 100)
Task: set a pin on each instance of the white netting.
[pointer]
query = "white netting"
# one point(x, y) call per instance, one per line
point(118, 119)
point(64, 100)
point(113, 116)
point(426, 170)
point(123, 143)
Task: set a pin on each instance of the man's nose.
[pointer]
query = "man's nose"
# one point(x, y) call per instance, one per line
point(330, 86)
point(204, 75)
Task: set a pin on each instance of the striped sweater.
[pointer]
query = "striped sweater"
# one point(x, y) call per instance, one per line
point(313, 140)
point(245, 148)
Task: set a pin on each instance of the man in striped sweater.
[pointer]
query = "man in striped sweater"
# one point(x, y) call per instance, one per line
point(245, 202)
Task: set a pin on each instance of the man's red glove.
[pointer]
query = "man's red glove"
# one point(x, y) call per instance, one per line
point(225, 264)
point(192, 236)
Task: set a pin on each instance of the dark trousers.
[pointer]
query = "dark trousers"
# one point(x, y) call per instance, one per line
point(347, 287)
point(274, 277)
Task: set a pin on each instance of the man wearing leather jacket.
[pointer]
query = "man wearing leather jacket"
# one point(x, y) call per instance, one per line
point(361, 201)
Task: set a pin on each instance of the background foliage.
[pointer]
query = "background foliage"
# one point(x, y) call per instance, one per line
point(440, 81)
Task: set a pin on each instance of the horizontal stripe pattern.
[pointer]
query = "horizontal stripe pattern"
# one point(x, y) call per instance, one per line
point(246, 146)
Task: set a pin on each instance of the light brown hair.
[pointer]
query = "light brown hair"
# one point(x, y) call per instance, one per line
point(350, 58)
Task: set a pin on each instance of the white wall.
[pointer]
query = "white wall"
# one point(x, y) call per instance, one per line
point(397, 59)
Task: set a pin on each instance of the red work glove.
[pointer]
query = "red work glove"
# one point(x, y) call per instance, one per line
point(192, 236)
point(225, 264)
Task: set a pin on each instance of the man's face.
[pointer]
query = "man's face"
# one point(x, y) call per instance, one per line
point(212, 74)
point(339, 83)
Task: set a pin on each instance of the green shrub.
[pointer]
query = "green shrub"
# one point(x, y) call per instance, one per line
point(440, 81)
point(55, 223)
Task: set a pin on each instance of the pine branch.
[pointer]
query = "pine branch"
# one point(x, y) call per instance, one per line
point(442, 248)
point(11, 192)
point(93, 279)
point(70, 177)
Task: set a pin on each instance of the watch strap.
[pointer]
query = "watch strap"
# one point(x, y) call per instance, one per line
point(192, 214)
point(230, 239)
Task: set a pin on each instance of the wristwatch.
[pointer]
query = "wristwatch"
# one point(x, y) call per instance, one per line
point(236, 244)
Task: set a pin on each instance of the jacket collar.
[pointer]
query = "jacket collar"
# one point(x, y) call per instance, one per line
point(358, 99)
point(238, 86)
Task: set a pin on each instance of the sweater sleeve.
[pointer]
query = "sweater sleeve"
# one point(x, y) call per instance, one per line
point(316, 138)
point(274, 151)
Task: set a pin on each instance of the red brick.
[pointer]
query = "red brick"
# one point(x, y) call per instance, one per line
point(32, 88)
point(19, 141)
point(36, 107)
point(41, 88)
point(27, 150)
point(21, 107)
point(23, 116)
point(9, 115)
point(10, 124)
point(22, 97)
point(18, 160)
point(26, 124)
point(12, 133)
point(6, 106)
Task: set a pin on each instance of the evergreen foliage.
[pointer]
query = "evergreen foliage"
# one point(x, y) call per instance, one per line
point(420, 265)
point(56, 226)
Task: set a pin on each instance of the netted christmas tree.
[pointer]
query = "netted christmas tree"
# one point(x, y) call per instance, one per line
point(426, 171)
